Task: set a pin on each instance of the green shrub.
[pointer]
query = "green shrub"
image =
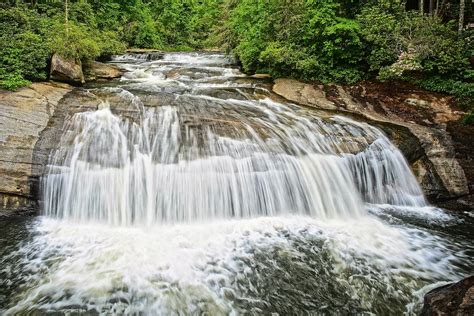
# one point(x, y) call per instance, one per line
point(468, 119)
point(74, 41)
point(402, 43)
point(109, 43)
point(307, 39)
point(24, 54)
point(13, 81)
point(458, 88)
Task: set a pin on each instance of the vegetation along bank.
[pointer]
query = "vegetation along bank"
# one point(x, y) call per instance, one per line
point(425, 42)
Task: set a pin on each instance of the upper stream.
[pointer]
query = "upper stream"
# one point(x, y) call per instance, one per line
point(191, 188)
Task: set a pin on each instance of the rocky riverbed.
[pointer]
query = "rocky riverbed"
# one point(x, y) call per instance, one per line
point(351, 264)
point(425, 126)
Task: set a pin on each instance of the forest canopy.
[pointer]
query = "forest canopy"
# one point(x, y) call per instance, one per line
point(426, 42)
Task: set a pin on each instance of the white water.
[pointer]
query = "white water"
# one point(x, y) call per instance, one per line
point(270, 160)
point(224, 201)
point(203, 268)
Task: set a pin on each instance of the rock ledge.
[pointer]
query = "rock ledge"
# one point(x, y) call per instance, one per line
point(452, 299)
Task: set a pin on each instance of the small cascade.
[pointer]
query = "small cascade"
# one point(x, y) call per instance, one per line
point(204, 157)
point(144, 56)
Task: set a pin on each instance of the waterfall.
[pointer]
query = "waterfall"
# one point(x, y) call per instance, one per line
point(189, 188)
point(203, 157)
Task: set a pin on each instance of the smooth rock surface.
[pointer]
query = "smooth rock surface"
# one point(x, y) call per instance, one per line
point(96, 70)
point(23, 116)
point(66, 70)
point(422, 115)
point(452, 299)
point(303, 93)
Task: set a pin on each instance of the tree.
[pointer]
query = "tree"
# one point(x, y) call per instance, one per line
point(462, 5)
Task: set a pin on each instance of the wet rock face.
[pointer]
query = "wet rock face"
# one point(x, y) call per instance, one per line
point(452, 299)
point(303, 93)
point(415, 120)
point(23, 116)
point(32, 120)
point(66, 70)
point(94, 70)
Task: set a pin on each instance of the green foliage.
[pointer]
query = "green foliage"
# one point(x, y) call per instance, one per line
point(468, 119)
point(13, 81)
point(139, 28)
point(463, 91)
point(29, 38)
point(34, 30)
point(324, 40)
point(403, 43)
point(346, 41)
point(304, 39)
point(458, 88)
point(74, 41)
point(378, 28)
point(24, 54)
point(109, 43)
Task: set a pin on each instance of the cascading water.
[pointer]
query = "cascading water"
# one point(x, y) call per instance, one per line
point(221, 158)
point(191, 188)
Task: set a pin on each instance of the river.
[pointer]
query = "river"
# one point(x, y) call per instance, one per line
point(192, 188)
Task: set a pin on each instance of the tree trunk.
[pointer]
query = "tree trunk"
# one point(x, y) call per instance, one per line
point(66, 17)
point(422, 6)
point(432, 6)
point(442, 9)
point(462, 5)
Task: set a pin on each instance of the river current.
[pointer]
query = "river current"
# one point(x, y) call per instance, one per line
point(192, 189)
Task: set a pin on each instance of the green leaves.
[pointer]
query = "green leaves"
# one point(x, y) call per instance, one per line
point(325, 40)
point(401, 43)
point(24, 54)
point(12, 81)
point(305, 39)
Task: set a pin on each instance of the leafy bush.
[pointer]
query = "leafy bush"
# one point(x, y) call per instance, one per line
point(79, 42)
point(307, 39)
point(458, 88)
point(325, 40)
point(468, 119)
point(74, 41)
point(28, 39)
point(13, 81)
point(109, 43)
point(400, 43)
point(24, 53)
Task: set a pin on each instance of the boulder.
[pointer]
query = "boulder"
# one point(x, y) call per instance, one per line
point(66, 70)
point(23, 117)
point(452, 299)
point(94, 70)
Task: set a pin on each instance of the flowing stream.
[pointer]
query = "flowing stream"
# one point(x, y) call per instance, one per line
point(191, 188)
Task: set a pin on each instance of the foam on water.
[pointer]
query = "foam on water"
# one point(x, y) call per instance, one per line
point(221, 267)
point(158, 169)
point(223, 200)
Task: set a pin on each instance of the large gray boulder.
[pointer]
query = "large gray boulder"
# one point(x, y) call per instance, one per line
point(94, 70)
point(455, 299)
point(66, 70)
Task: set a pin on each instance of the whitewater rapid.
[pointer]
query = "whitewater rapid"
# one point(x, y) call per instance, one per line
point(192, 189)
point(203, 157)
